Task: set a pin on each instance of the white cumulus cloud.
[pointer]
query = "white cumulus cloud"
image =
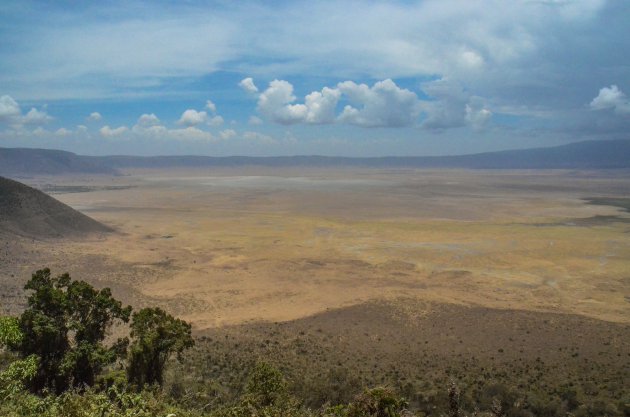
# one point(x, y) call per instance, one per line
point(192, 117)
point(9, 108)
point(40, 132)
point(611, 98)
point(477, 115)
point(149, 125)
point(62, 131)
point(275, 103)
point(190, 133)
point(452, 106)
point(94, 117)
point(227, 134)
point(254, 120)
point(248, 85)
point(382, 105)
point(259, 137)
point(36, 117)
point(11, 113)
point(211, 106)
point(216, 121)
point(147, 120)
point(447, 108)
point(108, 132)
point(318, 108)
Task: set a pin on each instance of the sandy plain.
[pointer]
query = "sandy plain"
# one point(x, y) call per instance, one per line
point(232, 246)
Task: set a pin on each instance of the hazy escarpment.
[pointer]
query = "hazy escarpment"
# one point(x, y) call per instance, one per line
point(22, 161)
point(600, 154)
point(25, 211)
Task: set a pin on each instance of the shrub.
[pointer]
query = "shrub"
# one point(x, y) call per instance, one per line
point(266, 386)
point(13, 380)
point(10, 333)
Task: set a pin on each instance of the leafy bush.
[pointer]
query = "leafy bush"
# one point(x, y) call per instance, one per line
point(13, 380)
point(10, 333)
point(265, 395)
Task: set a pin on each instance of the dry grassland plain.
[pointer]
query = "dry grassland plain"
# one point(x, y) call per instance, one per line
point(232, 246)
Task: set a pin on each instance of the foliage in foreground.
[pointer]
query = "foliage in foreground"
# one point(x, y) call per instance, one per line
point(265, 395)
point(65, 325)
point(74, 315)
point(62, 334)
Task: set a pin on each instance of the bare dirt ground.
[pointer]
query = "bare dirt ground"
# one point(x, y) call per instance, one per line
point(232, 246)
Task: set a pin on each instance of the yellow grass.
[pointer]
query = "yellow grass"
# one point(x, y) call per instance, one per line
point(237, 253)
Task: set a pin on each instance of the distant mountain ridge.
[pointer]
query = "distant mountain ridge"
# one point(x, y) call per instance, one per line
point(27, 161)
point(609, 154)
point(25, 211)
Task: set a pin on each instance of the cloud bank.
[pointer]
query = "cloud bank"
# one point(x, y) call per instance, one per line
point(11, 113)
point(384, 105)
point(403, 72)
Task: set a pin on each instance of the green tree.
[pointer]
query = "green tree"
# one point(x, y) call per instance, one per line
point(266, 386)
point(266, 394)
point(65, 325)
point(93, 313)
point(156, 335)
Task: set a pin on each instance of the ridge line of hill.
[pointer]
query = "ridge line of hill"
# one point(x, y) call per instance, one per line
point(600, 154)
point(27, 212)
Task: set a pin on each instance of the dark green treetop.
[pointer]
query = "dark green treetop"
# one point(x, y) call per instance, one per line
point(65, 325)
point(156, 336)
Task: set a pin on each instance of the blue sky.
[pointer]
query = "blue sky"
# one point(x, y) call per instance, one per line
point(356, 78)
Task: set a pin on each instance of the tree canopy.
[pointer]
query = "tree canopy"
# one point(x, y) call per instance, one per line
point(156, 336)
point(65, 326)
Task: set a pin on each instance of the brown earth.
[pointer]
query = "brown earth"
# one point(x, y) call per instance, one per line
point(230, 246)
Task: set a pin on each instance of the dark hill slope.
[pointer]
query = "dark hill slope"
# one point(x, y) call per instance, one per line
point(22, 161)
point(25, 211)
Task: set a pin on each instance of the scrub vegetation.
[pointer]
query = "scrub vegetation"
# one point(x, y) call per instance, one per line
point(60, 359)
